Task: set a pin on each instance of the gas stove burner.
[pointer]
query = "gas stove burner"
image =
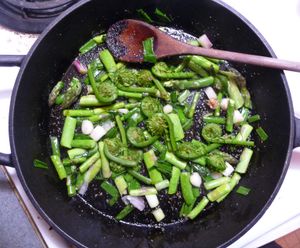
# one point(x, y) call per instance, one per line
point(31, 16)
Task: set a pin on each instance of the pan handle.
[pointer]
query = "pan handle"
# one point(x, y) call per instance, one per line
point(11, 60)
point(297, 132)
point(5, 159)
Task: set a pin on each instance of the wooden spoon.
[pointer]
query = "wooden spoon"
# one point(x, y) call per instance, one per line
point(125, 37)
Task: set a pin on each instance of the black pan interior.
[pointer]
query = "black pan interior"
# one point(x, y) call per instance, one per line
point(82, 225)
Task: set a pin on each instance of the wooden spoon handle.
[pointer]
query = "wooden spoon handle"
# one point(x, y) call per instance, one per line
point(244, 58)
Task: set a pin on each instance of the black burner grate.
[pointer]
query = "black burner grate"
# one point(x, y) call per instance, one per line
point(31, 16)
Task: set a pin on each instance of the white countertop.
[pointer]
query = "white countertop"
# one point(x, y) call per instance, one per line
point(279, 22)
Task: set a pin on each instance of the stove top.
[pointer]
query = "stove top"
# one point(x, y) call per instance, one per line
point(31, 16)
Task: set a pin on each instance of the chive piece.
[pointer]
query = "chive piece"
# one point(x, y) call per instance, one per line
point(124, 212)
point(89, 45)
point(183, 96)
point(140, 177)
point(121, 185)
point(186, 188)
point(172, 159)
point(177, 128)
point(61, 171)
point(229, 116)
point(216, 183)
point(68, 132)
point(188, 124)
point(55, 145)
point(108, 60)
point(158, 214)
point(197, 210)
point(233, 182)
point(262, 134)
point(162, 185)
point(174, 180)
point(99, 39)
point(149, 55)
point(214, 119)
point(71, 189)
point(253, 118)
point(132, 182)
point(161, 15)
point(219, 192)
point(244, 133)
point(144, 16)
point(243, 190)
point(143, 191)
point(245, 158)
point(173, 97)
point(40, 164)
point(112, 191)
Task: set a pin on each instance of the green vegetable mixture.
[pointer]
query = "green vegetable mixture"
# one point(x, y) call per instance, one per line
point(129, 126)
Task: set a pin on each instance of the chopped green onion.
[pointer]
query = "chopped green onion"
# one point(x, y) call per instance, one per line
point(149, 55)
point(152, 201)
point(262, 134)
point(162, 16)
point(183, 96)
point(177, 128)
point(162, 185)
point(243, 190)
point(197, 210)
point(245, 158)
point(253, 118)
point(144, 15)
point(40, 164)
point(158, 214)
point(143, 191)
point(112, 191)
point(124, 212)
point(121, 185)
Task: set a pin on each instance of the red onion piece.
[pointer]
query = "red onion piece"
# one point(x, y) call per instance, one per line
point(81, 68)
point(136, 201)
point(204, 41)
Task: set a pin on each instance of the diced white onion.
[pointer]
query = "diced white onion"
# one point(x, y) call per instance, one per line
point(204, 41)
point(158, 214)
point(87, 127)
point(107, 125)
point(136, 201)
point(162, 185)
point(211, 94)
point(228, 171)
point(97, 133)
point(224, 103)
point(195, 179)
point(168, 109)
point(216, 175)
point(123, 111)
point(135, 116)
point(237, 117)
point(152, 200)
point(83, 188)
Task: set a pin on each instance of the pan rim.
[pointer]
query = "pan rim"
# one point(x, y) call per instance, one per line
point(17, 163)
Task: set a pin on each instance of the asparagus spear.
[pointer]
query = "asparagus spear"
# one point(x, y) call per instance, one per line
point(55, 93)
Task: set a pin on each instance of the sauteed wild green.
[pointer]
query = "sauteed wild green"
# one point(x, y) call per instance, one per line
point(142, 131)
